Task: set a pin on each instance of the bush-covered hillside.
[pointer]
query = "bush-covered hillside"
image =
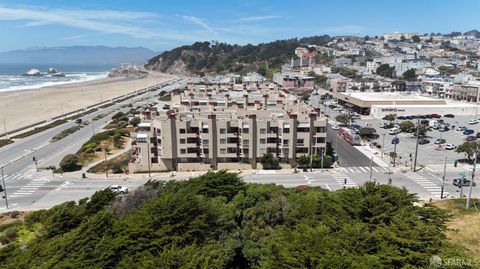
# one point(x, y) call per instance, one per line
point(217, 221)
point(214, 57)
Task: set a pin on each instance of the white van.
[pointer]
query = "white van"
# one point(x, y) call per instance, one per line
point(394, 131)
point(432, 123)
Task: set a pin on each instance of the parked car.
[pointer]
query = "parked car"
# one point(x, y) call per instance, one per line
point(474, 121)
point(119, 189)
point(409, 117)
point(423, 141)
point(449, 116)
point(471, 138)
point(335, 127)
point(382, 125)
point(400, 117)
point(440, 141)
point(462, 181)
point(428, 116)
point(424, 122)
point(450, 147)
point(443, 128)
point(468, 131)
point(394, 131)
point(78, 121)
point(435, 116)
point(461, 128)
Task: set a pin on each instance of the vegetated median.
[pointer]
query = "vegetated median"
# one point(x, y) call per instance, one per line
point(117, 165)
point(66, 132)
point(40, 129)
point(218, 221)
point(4, 142)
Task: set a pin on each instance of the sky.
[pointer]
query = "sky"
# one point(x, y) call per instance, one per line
point(162, 25)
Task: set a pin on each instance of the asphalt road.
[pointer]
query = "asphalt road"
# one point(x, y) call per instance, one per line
point(24, 185)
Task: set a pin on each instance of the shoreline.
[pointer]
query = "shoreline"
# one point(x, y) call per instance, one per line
point(23, 107)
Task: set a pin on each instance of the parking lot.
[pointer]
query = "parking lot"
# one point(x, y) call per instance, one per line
point(428, 154)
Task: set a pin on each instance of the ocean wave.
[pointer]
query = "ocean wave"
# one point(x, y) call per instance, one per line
point(16, 83)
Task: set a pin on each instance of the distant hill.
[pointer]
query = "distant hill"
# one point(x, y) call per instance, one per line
point(214, 57)
point(474, 32)
point(91, 55)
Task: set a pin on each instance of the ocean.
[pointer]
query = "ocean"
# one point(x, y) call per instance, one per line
point(11, 78)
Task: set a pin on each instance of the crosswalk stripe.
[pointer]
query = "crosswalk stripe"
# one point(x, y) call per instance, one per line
point(363, 169)
point(374, 169)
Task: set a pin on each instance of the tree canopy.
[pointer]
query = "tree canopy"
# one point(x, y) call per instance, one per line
point(386, 71)
point(218, 221)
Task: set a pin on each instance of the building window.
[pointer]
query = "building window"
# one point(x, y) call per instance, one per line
point(263, 151)
point(245, 130)
point(285, 142)
point(183, 151)
point(205, 151)
point(182, 131)
point(223, 151)
point(263, 141)
point(263, 130)
point(320, 139)
point(223, 141)
point(300, 141)
point(182, 140)
point(286, 130)
point(205, 142)
point(246, 142)
point(223, 130)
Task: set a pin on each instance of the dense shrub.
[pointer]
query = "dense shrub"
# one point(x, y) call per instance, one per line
point(70, 163)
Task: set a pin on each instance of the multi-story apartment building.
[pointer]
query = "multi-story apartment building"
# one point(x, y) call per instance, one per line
point(211, 127)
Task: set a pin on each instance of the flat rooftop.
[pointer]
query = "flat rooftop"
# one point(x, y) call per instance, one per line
point(388, 96)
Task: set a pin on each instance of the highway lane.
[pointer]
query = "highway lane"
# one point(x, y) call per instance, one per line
point(17, 160)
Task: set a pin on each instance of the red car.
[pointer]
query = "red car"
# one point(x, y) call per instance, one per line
point(436, 116)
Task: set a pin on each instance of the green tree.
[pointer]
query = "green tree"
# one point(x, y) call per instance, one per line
point(410, 75)
point(135, 121)
point(367, 132)
point(416, 39)
point(329, 149)
point(70, 163)
point(386, 71)
point(262, 71)
point(468, 148)
point(343, 119)
point(407, 126)
point(118, 115)
point(390, 117)
point(269, 162)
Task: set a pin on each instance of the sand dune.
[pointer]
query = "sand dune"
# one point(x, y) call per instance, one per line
point(20, 108)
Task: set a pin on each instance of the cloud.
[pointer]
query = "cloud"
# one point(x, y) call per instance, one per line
point(104, 21)
point(200, 22)
point(258, 18)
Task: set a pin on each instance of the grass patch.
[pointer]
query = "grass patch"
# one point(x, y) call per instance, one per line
point(4, 142)
point(40, 129)
point(92, 150)
point(82, 114)
point(65, 133)
point(115, 165)
point(99, 117)
point(166, 98)
point(463, 227)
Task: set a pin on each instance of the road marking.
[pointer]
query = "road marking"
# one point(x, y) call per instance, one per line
point(363, 169)
point(328, 187)
point(374, 169)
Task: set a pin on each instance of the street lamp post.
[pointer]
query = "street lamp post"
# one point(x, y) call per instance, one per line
point(4, 188)
point(473, 178)
point(383, 144)
point(416, 146)
point(443, 178)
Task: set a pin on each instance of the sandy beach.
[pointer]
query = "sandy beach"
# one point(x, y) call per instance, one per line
point(23, 107)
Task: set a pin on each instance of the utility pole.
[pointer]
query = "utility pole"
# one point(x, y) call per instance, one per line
point(443, 178)
point(106, 166)
point(5, 128)
point(395, 150)
point(467, 206)
point(93, 127)
point(371, 167)
point(4, 188)
point(383, 144)
point(416, 146)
